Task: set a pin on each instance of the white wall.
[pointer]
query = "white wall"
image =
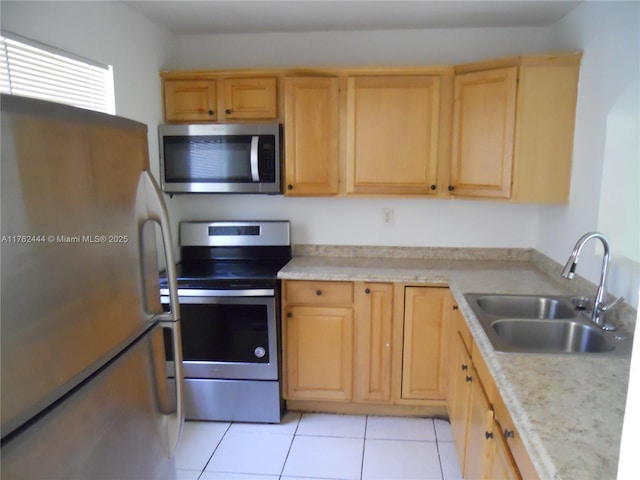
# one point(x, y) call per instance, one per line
point(382, 47)
point(605, 144)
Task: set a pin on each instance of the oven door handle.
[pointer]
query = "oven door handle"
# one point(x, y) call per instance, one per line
point(255, 170)
point(184, 294)
point(151, 207)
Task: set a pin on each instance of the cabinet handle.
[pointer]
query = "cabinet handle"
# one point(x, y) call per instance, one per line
point(509, 433)
point(318, 292)
point(367, 291)
point(451, 188)
point(468, 378)
point(210, 112)
point(465, 366)
point(455, 307)
point(227, 111)
point(432, 187)
point(289, 187)
point(289, 315)
point(488, 435)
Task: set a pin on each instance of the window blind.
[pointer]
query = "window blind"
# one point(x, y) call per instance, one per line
point(35, 70)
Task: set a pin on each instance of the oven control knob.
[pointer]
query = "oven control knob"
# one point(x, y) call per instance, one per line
point(259, 352)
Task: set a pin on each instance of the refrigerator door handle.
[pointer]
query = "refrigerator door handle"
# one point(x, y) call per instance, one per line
point(155, 210)
point(175, 419)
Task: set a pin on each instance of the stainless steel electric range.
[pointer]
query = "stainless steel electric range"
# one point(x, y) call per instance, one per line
point(229, 303)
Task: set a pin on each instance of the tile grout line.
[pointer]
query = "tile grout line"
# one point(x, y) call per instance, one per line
point(214, 450)
point(293, 437)
point(435, 433)
point(364, 445)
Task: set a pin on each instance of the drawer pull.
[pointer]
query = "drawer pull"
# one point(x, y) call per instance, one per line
point(468, 378)
point(455, 307)
point(509, 433)
point(318, 292)
point(488, 435)
point(367, 291)
point(465, 366)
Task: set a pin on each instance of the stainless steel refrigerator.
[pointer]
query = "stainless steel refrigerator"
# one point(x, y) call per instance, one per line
point(85, 389)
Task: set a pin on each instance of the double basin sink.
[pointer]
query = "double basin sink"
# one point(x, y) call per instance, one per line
point(544, 324)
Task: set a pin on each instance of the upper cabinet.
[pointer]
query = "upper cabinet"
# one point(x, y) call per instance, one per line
point(190, 101)
point(483, 132)
point(393, 123)
point(311, 135)
point(212, 96)
point(513, 126)
point(250, 98)
point(499, 129)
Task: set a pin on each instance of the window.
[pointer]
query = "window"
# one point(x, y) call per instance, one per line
point(35, 70)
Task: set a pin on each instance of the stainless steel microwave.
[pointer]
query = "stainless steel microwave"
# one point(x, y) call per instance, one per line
point(221, 158)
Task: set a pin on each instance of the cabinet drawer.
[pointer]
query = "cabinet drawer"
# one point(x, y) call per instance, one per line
point(319, 293)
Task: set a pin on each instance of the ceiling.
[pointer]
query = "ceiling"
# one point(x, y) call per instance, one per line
point(244, 16)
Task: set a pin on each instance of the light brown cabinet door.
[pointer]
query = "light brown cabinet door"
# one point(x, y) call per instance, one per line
point(311, 135)
point(392, 134)
point(190, 100)
point(374, 337)
point(479, 432)
point(425, 355)
point(250, 98)
point(484, 133)
point(460, 368)
point(319, 353)
point(501, 463)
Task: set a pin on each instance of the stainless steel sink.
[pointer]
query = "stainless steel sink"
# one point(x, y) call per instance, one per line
point(553, 336)
point(544, 324)
point(525, 306)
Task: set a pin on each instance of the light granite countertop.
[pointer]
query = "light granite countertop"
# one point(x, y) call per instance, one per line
point(568, 408)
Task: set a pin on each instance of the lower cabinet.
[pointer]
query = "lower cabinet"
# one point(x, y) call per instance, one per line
point(378, 344)
point(479, 433)
point(426, 338)
point(319, 353)
point(373, 342)
point(389, 348)
point(459, 397)
point(481, 426)
point(470, 414)
point(501, 464)
point(318, 335)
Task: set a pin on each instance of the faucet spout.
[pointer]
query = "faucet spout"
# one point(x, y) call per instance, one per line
point(600, 305)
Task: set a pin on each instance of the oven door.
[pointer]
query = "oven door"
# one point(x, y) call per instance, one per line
point(229, 337)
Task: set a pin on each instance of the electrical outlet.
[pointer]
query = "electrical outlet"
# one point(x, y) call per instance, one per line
point(387, 216)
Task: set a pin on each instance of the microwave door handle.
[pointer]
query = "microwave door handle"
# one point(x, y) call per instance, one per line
point(255, 172)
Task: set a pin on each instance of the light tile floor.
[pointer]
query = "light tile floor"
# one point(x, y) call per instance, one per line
point(315, 446)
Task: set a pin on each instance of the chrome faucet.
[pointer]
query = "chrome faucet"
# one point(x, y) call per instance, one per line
point(600, 306)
